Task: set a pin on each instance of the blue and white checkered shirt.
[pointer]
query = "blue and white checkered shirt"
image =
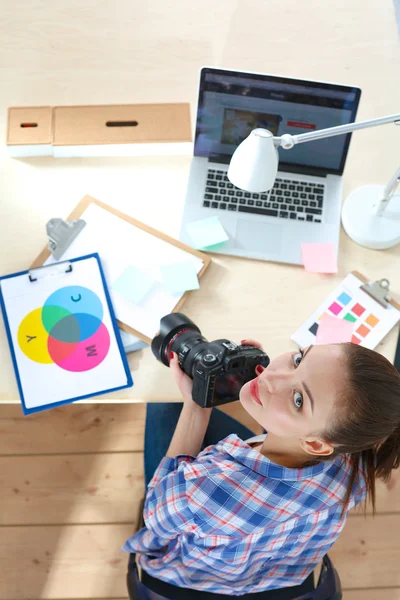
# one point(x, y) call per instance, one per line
point(232, 522)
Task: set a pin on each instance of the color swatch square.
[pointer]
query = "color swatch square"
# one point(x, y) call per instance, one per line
point(355, 340)
point(363, 330)
point(350, 317)
point(314, 328)
point(335, 308)
point(358, 309)
point(372, 320)
point(344, 298)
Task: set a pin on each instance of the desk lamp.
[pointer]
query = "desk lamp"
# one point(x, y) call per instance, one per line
point(366, 217)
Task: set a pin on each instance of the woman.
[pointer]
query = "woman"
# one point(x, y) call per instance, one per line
point(248, 515)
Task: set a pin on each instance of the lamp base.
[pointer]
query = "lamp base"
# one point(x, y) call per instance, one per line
point(366, 228)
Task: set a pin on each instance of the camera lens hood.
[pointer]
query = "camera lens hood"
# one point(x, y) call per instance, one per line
point(170, 325)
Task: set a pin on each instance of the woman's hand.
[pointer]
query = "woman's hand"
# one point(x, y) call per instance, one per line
point(185, 384)
point(252, 343)
point(259, 368)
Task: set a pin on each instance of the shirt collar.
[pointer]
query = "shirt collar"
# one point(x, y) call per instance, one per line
point(255, 461)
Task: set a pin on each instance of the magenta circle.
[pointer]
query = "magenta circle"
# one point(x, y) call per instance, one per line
point(89, 353)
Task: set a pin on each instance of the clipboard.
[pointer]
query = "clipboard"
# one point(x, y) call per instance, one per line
point(367, 305)
point(61, 329)
point(121, 308)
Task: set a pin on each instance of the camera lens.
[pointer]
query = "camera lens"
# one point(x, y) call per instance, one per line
point(178, 334)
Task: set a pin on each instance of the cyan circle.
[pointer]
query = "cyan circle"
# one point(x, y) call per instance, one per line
point(76, 299)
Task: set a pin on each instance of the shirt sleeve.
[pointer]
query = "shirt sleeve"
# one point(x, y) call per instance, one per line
point(166, 509)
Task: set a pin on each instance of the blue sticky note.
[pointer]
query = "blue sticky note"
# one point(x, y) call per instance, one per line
point(206, 232)
point(180, 277)
point(133, 284)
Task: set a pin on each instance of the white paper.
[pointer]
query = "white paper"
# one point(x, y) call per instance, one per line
point(388, 317)
point(48, 383)
point(120, 245)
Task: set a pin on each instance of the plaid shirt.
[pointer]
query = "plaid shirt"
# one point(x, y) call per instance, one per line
point(232, 522)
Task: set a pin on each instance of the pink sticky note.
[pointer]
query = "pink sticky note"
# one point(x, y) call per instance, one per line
point(332, 330)
point(319, 258)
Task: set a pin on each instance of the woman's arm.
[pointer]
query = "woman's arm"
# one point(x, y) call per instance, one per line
point(190, 430)
point(193, 420)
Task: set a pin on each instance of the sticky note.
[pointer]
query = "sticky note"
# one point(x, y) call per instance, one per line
point(133, 284)
point(206, 232)
point(332, 330)
point(180, 277)
point(319, 258)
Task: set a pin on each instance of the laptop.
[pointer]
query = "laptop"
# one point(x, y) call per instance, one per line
point(304, 204)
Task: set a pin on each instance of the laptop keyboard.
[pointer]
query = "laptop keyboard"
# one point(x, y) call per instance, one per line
point(288, 199)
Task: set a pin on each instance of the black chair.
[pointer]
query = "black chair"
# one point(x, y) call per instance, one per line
point(149, 588)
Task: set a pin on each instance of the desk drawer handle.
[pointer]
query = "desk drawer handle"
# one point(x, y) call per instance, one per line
point(122, 123)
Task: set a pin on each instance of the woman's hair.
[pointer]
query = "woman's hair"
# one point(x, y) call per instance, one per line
point(366, 420)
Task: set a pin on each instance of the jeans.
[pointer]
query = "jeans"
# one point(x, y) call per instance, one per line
point(161, 420)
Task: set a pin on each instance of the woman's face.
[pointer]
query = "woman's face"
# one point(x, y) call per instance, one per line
point(296, 394)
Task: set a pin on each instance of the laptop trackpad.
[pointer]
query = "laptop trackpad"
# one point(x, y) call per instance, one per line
point(261, 237)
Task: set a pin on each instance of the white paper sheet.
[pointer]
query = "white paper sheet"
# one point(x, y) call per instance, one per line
point(120, 245)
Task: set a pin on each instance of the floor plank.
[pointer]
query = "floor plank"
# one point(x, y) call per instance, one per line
point(367, 552)
point(86, 488)
point(72, 428)
point(85, 561)
point(84, 428)
point(63, 562)
point(375, 594)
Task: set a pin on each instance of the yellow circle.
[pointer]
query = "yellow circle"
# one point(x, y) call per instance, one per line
point(32, 337)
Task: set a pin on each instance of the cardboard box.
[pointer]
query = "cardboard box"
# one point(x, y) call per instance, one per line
point(30, 131)
point(113, 130)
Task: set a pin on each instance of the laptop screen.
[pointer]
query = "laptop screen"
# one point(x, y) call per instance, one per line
point(232, 103)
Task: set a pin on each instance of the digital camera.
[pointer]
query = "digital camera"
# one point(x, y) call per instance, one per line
point(219, 369)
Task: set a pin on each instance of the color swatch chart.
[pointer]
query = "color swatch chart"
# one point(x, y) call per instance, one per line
point(372, 322)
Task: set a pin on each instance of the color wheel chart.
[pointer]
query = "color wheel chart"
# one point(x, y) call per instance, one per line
point(67, 331)
point(372, 322)
point(62, 333)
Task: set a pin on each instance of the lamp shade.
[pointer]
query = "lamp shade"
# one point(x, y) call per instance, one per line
point(254, 163)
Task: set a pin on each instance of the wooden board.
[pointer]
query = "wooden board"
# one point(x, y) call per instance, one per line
point(85, 560)
point(73, 429)
point(73, 488)
point(78, 212)
point(374, 594)
point(63, 562)
point(367, 552)
point(85, 428)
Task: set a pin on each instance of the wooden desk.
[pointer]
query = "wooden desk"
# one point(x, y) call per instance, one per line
point(238, 298)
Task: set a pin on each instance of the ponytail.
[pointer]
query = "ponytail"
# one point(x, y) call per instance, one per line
point(367, 423)
point(388, 455)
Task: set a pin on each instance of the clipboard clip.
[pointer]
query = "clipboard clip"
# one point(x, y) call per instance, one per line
point(61, 234)
point(50, 270)
point(378, 290)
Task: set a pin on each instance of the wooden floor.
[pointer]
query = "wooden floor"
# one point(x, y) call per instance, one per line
point(70, 483)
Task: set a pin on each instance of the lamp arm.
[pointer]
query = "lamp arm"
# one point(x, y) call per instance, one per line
point(379, 207)
point(287, 141)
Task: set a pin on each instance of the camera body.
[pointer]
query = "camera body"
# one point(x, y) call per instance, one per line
point(223, 370)
point(219, 369)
